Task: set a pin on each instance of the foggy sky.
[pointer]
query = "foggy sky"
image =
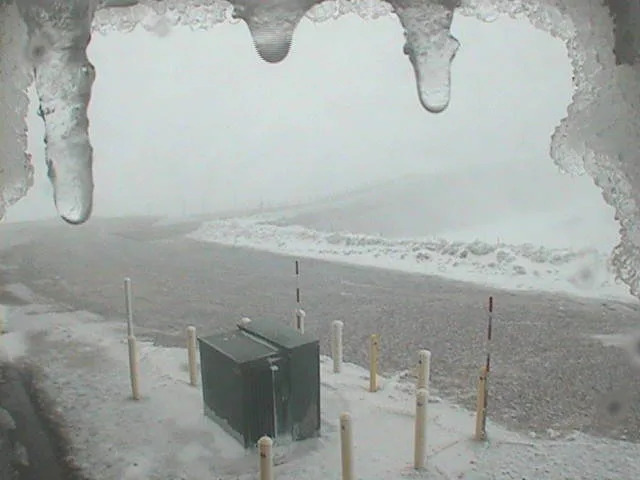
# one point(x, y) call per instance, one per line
point(195, 121)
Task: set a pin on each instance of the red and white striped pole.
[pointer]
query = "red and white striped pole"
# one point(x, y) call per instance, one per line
point(489, 329)
point(487, 366)
point(297, 283)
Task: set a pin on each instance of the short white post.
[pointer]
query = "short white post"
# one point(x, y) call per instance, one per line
point(346, 444)
point(129, 306)
point(336, 345)
point(374, 348)
point(191, 349)
point(300, 314)
point(134, 371)
point(265, 445)
point(424, 369)
point(481, 405)
point(420, 444)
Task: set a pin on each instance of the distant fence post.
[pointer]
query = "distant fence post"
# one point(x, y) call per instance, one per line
point(374, 346)
point(191, 351)
point(3, 318)
point(265, 445)
point(336, 345)
point(346, 446)
point(420, 444)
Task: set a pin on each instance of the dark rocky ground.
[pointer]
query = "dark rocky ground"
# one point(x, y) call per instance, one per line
point(548, 372)
point(31, 444)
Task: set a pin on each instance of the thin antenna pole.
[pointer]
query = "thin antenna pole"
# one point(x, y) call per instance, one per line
point(489, 331)
point(298, 283)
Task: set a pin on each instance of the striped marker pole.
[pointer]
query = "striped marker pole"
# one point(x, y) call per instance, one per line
point(489, 329)
point(299, 314)
point(298, 283)
point(483, 383)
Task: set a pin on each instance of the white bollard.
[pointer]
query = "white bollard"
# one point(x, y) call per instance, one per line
point(420, 444)
point(300, 314)
point(374, 349)
point(265, 445)
point(134, 371)
point(346, 446)
point(424, 369)
point(129, 306)
point(191, 350)
point(336, 345)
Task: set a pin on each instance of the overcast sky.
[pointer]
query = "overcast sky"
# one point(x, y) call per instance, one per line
point(197, 121)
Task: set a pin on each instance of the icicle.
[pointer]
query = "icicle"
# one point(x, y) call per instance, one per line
point(59, 33)
point(272, 24)
point(430, 47)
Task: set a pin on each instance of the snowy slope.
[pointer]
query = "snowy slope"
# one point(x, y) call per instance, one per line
point(550, 232)
point(165, 435)
point(518, 202)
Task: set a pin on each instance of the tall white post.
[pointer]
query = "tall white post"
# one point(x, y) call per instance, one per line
point(424, 369)
point(134, 370)
point(265, 445)
point(336, 345)
point(420, 444)
point(191, 350)
point(374, 348)
point(346, 444)
point(129, 305)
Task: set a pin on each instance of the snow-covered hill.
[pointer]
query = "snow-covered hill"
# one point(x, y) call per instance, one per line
point(551, 232)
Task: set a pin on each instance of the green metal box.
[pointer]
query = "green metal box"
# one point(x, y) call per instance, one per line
point(301, 361)
point(262, 379)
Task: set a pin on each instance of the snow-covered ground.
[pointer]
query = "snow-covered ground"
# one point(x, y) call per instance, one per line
point(582, 272)
point(165, 435)
point(517, 225)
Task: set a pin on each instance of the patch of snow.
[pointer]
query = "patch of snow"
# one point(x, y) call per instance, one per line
point(584, 272)
point(166, 436)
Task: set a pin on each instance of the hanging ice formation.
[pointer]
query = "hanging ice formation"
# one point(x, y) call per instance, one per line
point(44, 41)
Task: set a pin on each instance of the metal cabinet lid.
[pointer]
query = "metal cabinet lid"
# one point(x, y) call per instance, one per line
point(277, 333)
point(239, 346)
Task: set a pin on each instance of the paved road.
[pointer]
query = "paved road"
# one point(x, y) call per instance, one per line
point(547, 370)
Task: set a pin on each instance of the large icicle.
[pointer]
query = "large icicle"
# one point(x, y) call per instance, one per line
point(430, 47)
point(59, 33)
point(271, 23)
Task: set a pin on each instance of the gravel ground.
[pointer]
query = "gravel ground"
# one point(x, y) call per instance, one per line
point(549, 375)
